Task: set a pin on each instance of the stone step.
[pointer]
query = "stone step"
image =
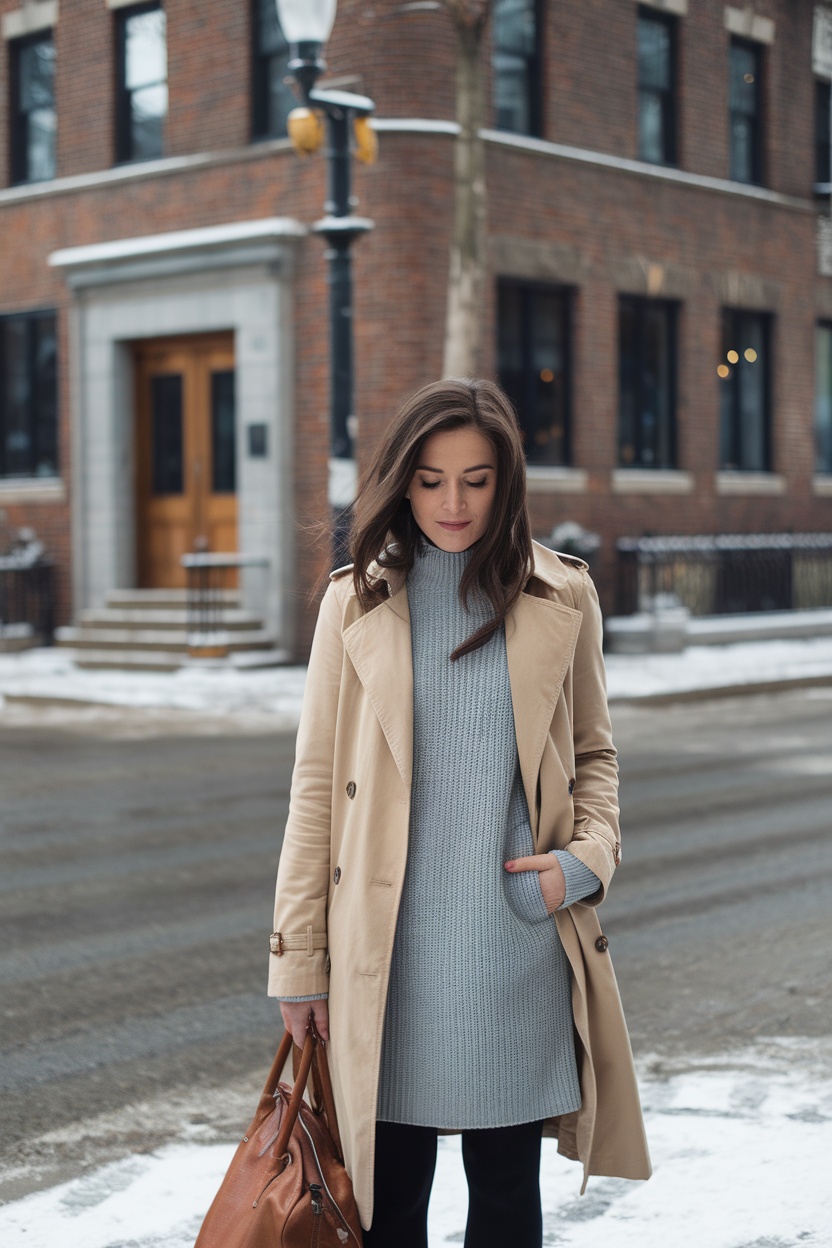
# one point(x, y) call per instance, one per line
point(233, 618)
point(159, 639)
point(166, 661)
point(164, 599)
point(129, 660)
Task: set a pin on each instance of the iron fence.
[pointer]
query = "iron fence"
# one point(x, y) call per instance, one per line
point(27, 597)
point(723, 574)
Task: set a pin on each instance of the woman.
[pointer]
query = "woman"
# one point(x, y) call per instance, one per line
point(455, 787)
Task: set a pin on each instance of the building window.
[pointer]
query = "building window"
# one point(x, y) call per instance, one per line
point(533, 363)
point(823, 104)
point(656, 88)
point(745, 97)
point(647, 383)
point(28, 396)
point(272, 99)
point(515, 62)
point(823, 399)
point(744, 378)
point(33, 121)
point(142, 68)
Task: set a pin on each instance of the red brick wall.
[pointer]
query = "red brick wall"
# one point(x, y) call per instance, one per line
point(618, 222)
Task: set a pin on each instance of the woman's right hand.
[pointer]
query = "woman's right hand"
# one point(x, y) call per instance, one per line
point(296, 1018)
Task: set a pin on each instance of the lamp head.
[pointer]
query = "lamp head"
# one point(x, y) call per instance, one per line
point(307, 25)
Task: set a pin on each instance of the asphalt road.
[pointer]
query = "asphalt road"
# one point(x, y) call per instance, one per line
point(136, 875)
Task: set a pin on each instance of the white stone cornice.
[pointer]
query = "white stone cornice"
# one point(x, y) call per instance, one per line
point(34, 16)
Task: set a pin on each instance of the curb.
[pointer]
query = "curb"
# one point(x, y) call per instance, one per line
point(706, 692)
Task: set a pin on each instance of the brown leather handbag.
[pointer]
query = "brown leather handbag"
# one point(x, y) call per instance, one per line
point(287, 1185)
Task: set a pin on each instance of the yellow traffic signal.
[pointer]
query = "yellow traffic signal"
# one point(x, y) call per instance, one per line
point(366, 141)
point(306, 130)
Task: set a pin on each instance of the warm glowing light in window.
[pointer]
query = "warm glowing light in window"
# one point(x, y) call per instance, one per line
point(749, 78)
point(546, 374)
point(733, 357)
point(750, 354)
point(724, 370)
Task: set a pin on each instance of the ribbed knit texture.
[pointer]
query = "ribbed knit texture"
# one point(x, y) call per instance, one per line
point(478, 1024)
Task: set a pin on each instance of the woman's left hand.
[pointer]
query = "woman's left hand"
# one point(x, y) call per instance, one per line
point(552, 879)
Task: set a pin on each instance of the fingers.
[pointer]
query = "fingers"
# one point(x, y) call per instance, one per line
point(296, 1019)
point(533, 862)
point(322, 1019)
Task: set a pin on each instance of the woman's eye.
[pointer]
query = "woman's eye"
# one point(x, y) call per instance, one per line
point(477, 485)
point(429, 485)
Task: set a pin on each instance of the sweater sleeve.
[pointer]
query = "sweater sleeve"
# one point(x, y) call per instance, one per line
point(580, 881)
point(322, 996)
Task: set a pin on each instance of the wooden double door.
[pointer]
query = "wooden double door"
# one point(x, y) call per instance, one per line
point(186, 454)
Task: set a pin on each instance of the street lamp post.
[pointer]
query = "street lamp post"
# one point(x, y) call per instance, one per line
point(307, 25)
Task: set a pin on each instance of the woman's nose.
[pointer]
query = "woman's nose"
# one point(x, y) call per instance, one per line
point(453, 499)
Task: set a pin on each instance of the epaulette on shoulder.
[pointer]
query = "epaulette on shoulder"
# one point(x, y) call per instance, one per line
point(573, 560)
point(339, 572)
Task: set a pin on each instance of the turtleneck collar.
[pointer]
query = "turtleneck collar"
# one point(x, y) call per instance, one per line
point(437, 569)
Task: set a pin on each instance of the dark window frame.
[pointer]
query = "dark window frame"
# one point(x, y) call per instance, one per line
point(30, 318)
point(670, 95)
point(758, 170)
point(641, 304)
point(124, 154)
point(823, 461)
point(528, 288)
point(18, 131)
point(766, 320)
point(823, 109)
point(261, 131)
point(533, 75)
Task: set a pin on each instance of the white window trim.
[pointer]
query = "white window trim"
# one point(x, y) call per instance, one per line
point(822, 485)
point(677, 7)
point(651, 481)
point(545, 479)
point(744, 483)
point(34, 16)
point(125, 4)
point(746, 24)
point(32, 490)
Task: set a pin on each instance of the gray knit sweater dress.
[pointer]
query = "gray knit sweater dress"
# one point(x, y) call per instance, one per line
point(478, 1028)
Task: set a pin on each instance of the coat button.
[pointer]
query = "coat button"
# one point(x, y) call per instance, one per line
point(602, 944)
point(351, 790)
point(571, 786)
point(336, 875)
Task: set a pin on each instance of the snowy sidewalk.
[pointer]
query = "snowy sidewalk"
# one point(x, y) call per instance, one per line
point(740, 1152)
point(48, 676)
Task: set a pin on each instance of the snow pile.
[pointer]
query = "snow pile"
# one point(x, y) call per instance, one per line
point(50, 675)
point(740, 1155)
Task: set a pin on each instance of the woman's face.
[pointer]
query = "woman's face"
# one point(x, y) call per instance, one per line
point(452, 490)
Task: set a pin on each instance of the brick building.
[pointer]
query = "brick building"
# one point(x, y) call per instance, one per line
point(658, 303)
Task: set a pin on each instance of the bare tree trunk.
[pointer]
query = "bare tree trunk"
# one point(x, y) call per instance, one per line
point(466, 278)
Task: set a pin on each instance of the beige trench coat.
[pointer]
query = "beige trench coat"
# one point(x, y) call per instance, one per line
point(343, 859)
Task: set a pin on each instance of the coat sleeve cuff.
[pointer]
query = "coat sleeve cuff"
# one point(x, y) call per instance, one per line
point(581, 882)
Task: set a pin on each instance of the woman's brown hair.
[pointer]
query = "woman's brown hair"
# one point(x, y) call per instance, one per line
point(384, 529)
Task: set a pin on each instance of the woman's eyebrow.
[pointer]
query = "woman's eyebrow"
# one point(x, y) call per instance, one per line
point(427, 468)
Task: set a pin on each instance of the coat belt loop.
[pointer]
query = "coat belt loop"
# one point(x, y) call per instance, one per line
point(310, 944)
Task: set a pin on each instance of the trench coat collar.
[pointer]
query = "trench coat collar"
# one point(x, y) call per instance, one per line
point(540, 641)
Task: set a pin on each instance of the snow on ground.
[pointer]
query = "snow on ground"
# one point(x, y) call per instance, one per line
point(49, 674)
point(740, 1150)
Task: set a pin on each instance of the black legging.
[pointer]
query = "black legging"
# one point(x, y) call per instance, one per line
point(502, 1165)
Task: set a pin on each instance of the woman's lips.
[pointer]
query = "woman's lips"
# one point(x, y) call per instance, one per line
point(454, 525)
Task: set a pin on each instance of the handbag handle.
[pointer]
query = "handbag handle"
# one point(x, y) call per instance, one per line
point(313, 1050)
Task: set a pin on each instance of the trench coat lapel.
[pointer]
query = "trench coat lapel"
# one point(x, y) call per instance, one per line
point(540, 641)
point(378, 645)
